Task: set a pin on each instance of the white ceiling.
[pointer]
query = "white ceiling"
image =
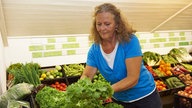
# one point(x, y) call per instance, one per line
point(55, 17)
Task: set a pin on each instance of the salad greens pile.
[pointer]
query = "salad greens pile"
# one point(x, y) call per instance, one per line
point(82, 94)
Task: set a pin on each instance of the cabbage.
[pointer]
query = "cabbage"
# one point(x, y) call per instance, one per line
point(16, 92)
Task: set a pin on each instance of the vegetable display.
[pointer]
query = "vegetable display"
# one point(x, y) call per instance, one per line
point(82, 94)
point(61, 90)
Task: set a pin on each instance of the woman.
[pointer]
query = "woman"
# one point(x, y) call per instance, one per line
point(117, 54)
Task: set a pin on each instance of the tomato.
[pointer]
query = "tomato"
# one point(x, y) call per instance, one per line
point(56, 82)
point(53, 85)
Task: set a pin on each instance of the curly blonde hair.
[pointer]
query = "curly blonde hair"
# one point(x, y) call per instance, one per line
point(124, 30)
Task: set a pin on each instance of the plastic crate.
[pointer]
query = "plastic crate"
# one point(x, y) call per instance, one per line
point(73, 79)
point(175, 89)
point(48, 81)
point(52, 81)
point(164, 92)
point(182, 102)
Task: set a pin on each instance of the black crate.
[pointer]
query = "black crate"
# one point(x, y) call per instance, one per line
point(174, 90)
point(52, 81)
point(33, 102)
point(31, 99)
point(182, 102)
point(164, 92)
point(73, 79)
point(62, 79)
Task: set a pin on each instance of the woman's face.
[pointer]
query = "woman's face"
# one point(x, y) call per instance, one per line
point(105, 25)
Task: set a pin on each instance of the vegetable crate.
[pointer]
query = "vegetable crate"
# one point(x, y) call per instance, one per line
point(31, 100)
point(182, 102)
point(162, 87)
point(73, 79)
point(174, 84)
point(73, 72)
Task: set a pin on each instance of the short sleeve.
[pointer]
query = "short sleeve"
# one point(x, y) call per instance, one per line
point(133, 48)
point(91, 56)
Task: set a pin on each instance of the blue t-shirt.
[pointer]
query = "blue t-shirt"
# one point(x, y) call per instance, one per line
point(125, 50)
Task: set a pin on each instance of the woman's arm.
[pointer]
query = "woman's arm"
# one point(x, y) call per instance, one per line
point(89, 72)
point(133, 71)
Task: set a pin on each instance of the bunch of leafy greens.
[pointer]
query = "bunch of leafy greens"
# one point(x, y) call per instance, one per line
point(28, 73)
point(82, 94)
point(180, 54)
point(151, 58)
point(50, 98)
point(14, 66)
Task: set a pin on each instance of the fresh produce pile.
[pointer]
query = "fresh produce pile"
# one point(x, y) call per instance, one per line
point(186, 99)
point(187, 66)
point(14, 95)
point(174, 82)
point(186, 78)
point(164, 69)
point(11, 68)
point(180, 54)
point(151, 58)
point(160, 85)
point(169, 59)
point(73, 69)
point(151, 70)
point(61, 86)
point(175, 55)
point(28, 73)
point(179, 69)
point(51, 73)
point(82, 94)
point(172, 71)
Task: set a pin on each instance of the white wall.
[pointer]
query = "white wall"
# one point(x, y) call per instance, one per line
point(2, 68)
point(19, 51)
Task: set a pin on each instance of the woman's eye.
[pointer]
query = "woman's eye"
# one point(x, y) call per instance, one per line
point(107, 24)
point(98, 24)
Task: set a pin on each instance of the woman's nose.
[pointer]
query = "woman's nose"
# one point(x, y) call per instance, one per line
point(102, 27)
